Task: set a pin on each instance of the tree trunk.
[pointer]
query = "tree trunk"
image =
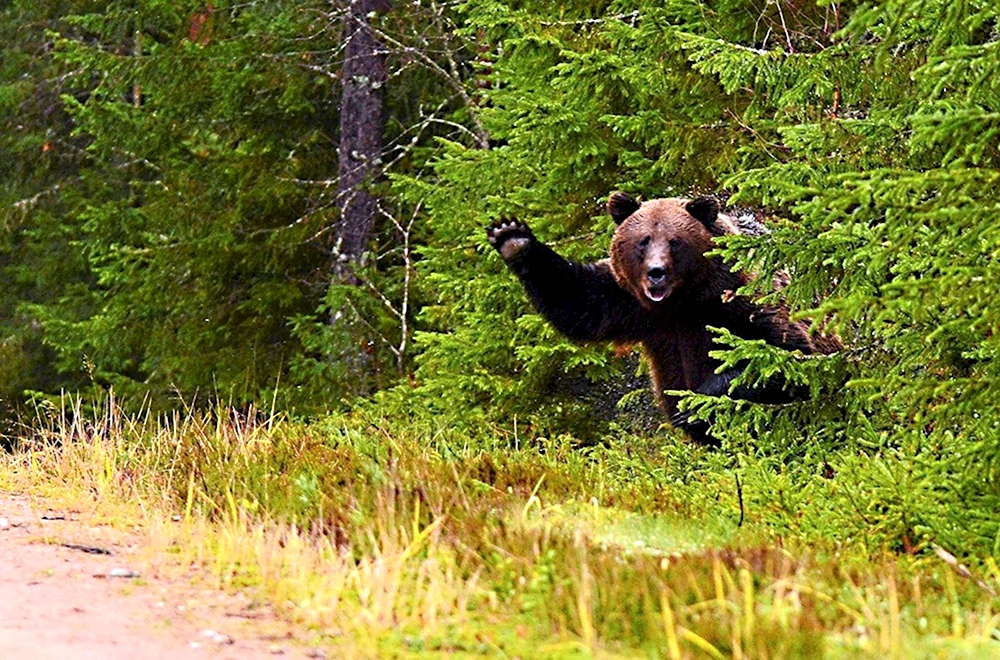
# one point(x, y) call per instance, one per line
point(362, 118)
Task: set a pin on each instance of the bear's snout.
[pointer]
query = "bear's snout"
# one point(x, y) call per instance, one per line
point(656, 275)
point(657, 285)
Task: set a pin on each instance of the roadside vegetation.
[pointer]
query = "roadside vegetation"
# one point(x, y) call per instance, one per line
point(391, 539)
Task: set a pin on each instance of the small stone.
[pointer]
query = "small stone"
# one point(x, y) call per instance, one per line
point(217, 637)
point(123, 573)
point(4, 524)
point(317, 654)
point(274, 649)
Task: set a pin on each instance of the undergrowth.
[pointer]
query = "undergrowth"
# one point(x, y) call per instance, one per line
point(392, 539)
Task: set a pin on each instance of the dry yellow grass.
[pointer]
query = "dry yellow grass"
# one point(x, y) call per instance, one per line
point(385, 547)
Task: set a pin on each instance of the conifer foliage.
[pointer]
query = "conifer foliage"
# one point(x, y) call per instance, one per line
point(868, 135)
point(170, 223)
point(169, 193)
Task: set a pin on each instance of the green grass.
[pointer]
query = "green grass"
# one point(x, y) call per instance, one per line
point(412, 539)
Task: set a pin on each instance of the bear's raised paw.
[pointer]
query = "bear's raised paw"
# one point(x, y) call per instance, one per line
point(509, 237)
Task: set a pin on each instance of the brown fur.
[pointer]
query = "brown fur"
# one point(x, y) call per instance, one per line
point(662, 233)
point(659, 288)
point(661, 222)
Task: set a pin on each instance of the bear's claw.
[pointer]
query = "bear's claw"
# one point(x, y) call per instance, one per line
point(509, 237)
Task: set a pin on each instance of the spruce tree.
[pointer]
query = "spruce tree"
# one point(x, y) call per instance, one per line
point(173, 216)
point(867, 135)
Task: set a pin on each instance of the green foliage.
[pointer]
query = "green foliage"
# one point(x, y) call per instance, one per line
point(40, 157)
point(868, 132)
point(169, 230)
point(166, 210)
point(895, 238)
point(156, 251)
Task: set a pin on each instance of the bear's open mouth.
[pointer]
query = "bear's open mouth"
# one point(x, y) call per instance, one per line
point(658, 292)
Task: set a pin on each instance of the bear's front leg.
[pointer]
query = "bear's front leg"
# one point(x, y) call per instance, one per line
point(582, 301)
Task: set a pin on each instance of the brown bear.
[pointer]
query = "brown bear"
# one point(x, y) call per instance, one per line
point(659, 288)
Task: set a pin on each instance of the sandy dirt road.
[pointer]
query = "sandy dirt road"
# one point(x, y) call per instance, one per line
point(59, 600)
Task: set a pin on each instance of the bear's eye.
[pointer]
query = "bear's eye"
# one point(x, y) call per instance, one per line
point(675, 242)
point(644, 242)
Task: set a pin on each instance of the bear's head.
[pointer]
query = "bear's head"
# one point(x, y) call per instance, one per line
point(659, 246)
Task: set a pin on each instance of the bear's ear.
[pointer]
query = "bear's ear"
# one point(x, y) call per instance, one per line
point(704, 209)
point(621, 205)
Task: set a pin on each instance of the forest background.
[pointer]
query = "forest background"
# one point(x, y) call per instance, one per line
point(191, 213)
